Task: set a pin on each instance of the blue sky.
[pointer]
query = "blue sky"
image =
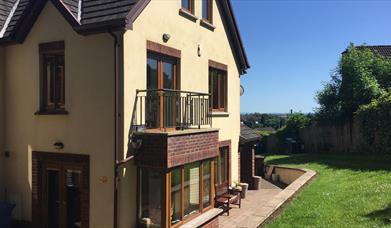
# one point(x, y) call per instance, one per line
point(294, 45)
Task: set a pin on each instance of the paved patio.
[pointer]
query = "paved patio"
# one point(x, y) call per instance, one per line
point(251, 209)
point(260, 205)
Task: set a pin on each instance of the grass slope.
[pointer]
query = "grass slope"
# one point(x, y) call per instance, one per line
point(349, 191)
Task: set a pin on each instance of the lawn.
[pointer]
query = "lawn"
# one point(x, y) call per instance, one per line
point(349, 191)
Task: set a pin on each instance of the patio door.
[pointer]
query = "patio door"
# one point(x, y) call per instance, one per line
point(162, 79)
point(64, 194)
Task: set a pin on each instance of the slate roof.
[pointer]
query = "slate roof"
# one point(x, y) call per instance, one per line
point(384, 50)
point(93, 16)
point(247, 134)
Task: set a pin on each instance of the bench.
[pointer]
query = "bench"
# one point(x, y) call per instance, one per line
point(226, 196)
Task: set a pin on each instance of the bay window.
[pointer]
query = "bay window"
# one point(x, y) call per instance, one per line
point(191, 189)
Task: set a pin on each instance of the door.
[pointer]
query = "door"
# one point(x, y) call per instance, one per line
point(63, 192)
point(62, 195)
point(162, 81)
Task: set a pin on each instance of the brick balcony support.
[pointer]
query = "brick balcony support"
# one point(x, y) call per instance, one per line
point(168, 150)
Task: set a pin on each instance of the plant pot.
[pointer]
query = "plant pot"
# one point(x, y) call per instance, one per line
point(275, 177)
point(244, 190)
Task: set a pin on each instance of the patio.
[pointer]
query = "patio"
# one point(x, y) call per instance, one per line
point(259, 205)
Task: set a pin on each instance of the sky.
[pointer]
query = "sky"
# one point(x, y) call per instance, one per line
point(293, 46)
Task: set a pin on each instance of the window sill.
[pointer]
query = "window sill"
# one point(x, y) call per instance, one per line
point(187, 14)
point(219, 114)
point(207, 24)
point(51, 112)
point(203, 218)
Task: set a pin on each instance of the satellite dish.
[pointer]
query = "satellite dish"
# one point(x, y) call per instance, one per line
point(241, 90)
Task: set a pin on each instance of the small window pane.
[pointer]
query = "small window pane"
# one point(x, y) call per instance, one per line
point(150, 199)
point(73, 179)
point(207, 183)
point(222, 90)
point(186, 4)
point(192, 189)
point(205, 6)
point(215, 91)
point(223, 166)
point(176, 196)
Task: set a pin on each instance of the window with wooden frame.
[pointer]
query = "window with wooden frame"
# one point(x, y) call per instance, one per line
point(218, 89)
point(52, 70)
point(222, 166)
point(191, 191)
point(207, 10)
point(188, 5)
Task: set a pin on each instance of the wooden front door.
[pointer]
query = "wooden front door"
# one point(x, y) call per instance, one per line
point(160, 105)
point(63, 191)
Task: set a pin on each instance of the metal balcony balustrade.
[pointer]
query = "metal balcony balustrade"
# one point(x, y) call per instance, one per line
point(167, 109)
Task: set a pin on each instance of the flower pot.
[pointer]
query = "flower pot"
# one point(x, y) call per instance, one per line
point(244, 190)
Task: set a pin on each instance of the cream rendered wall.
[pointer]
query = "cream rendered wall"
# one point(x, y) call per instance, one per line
point(163, 17)
point(1, 124)
point(88, 129)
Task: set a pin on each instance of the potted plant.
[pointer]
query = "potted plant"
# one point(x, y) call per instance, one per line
point(244, 187)
point(275, 177)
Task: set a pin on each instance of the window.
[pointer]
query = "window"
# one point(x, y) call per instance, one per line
point(207, 10)
point(188, 5)
point(191, 188)
point(52, 65)
point(222, 166)
point(150, 198)
point(218, 89)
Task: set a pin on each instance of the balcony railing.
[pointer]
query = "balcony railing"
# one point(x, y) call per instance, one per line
point(171, 109)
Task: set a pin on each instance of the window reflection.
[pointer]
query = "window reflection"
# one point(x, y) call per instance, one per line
point(150, 199)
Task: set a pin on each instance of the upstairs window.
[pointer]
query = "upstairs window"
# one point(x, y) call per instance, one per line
point(207, 10)
point(218, 89)
point(188, 5)
point(52, 65)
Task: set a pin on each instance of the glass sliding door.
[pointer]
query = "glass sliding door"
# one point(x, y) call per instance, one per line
point(161, 105)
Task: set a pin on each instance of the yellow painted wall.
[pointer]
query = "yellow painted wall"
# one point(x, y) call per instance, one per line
point(88, 129)
point(158, 18)
point(1, 123)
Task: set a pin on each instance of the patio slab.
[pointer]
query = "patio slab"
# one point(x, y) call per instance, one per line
point(261, 205)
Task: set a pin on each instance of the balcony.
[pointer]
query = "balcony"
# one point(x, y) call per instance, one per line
point(170, 110)
point(173, 127)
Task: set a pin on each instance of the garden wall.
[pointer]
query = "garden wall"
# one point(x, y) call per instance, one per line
point(345, 138)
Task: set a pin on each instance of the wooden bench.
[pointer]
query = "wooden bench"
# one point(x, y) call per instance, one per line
point(225, 196)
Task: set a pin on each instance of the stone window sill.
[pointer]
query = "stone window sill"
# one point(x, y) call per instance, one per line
point(203, 218)
point(219, 114)
point(188, 15)
point(207, 24)
point(51, 112)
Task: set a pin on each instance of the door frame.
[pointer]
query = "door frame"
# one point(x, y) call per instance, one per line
point(162, 58)
point(39, 159)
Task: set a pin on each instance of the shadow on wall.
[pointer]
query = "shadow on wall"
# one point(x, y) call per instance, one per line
point(383, 215)
point(339, 161)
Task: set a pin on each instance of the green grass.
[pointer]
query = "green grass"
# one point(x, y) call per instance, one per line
point(349, 191)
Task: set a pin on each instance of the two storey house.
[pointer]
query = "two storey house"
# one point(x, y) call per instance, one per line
point(118, 113)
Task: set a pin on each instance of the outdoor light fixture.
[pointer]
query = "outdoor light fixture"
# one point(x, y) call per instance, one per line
point(58, 145)
point(199, 50)
point(166, 37)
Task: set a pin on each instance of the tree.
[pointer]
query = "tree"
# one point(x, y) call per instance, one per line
point(360, 77)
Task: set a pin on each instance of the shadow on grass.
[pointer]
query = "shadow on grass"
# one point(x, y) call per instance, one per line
point(383, 215)
point(376, 162)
